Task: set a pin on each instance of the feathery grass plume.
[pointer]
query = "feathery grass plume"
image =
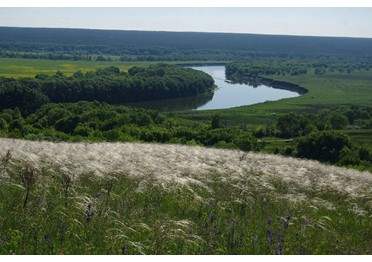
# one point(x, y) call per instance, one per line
point(160, 199)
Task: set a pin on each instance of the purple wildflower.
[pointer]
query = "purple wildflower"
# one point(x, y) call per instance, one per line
point(233, 223)
point(1, 229)
point(97, 195)
point(269, 222)
point(46, 237)
point(212, 218)
point(270, 237)
point(279, 249)
point(89, 212)
point(123, 248)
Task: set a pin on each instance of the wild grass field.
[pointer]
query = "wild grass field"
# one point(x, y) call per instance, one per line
point(131, 198)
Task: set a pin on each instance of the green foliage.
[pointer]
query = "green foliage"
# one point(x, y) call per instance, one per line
point(106, 45)
point(239, 70)
point(105, 85)
point(246, 143)
point(215, 122)
point(324, 146)
point(99, 121)
point(337, 121)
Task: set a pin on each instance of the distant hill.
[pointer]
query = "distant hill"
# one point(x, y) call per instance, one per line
point(23, 37)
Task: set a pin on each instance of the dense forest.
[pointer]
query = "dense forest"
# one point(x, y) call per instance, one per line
point(238, 70)
point(83, 44)
point(105, 85)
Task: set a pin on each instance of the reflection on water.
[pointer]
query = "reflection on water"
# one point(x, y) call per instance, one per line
point(227, 95)
point(176, 104)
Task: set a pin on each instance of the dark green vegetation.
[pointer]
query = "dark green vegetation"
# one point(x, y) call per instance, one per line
point(82, 44)
point(104, 85)
point(93, 121)
point(239, 70)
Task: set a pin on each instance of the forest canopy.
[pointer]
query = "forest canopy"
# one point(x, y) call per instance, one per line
point(83, 44)
point(108, 85)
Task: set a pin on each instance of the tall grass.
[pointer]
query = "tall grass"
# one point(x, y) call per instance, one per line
point(124, 198)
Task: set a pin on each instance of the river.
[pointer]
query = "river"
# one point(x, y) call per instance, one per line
point(226, 96)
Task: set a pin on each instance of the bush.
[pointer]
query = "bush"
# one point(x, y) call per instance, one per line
point(246, 143)
point(323, 146)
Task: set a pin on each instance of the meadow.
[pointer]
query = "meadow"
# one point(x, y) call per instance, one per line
point(132, 198)
point(19, 67)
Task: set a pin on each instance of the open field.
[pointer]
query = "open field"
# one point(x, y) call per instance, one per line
point(10, 67)
point(17, 67)
point(125, 198)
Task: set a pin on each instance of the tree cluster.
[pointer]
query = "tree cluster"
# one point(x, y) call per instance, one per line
point(237, 71)
point(104, 85)
point(96, 121)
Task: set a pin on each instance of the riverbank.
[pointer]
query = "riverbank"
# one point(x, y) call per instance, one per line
point(257, 80)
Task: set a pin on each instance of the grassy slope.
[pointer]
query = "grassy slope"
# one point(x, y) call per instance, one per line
point(166, 199)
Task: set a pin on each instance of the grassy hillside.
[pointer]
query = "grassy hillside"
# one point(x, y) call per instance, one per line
point(123, 198)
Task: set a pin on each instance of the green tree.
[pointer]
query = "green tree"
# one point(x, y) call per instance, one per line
point(215, 121)
point(337, 121)
point(324, 146)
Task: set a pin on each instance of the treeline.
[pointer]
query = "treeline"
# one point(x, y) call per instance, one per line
point(49, 55)
point(83, 38)
point(82, 44)
point(238, 70)
point(152, 54)
point(94, 121)
point(321, 136)
point(105, 85)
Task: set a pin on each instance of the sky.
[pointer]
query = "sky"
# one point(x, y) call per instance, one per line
point(334, 21)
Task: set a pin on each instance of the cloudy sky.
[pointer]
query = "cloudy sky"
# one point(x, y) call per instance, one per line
point(335, 21)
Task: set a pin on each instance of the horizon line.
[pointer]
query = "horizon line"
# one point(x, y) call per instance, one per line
point(173, 31)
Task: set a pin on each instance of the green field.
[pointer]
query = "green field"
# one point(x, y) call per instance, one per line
point(18, 67)
point(30, 67)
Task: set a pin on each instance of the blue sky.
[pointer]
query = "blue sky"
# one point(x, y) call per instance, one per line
point(350, 22)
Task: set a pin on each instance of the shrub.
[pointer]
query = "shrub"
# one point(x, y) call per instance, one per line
point(324, 146)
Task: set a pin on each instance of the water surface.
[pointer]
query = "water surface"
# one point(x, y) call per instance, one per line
point(227, 95)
